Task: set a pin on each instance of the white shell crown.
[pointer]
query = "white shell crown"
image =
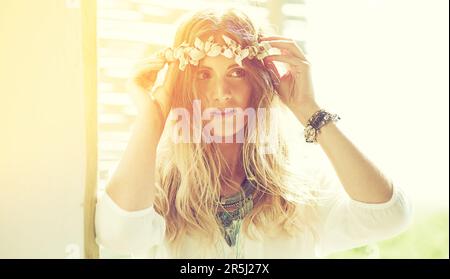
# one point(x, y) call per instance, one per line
point(187, 54)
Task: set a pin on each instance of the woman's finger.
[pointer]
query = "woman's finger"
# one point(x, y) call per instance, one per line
point(290, 46)
point(164, 92)
point(170, 76)
point(288, 59)
point(271, 38)
point(279, 39)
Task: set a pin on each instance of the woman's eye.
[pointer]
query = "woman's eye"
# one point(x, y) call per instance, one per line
point(238, 73)
point(203, 75)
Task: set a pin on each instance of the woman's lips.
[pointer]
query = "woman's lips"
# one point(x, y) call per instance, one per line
point(224, 112)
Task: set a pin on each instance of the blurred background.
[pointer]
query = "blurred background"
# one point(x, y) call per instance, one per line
point(382, 65)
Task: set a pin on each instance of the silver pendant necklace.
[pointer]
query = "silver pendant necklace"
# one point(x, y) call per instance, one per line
point(231, 220)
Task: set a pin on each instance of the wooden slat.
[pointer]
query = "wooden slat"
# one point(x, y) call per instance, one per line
point(89, 38)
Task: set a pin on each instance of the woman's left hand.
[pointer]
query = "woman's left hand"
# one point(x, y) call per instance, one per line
point(295, 88)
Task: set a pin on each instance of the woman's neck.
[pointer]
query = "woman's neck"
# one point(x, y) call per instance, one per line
point(231, 152)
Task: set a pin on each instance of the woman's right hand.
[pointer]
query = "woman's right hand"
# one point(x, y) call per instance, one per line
point(141, 84)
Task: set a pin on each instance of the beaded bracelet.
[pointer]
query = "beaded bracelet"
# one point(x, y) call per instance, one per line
point(316, 122)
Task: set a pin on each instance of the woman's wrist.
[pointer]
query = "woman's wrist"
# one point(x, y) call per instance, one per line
point(150, 115)
point(304, 112)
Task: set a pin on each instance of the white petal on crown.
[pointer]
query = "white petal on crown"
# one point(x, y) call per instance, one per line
point(168, 55)
point(196, 54)
point(236, 50)
point(265, 45)
point(184, 44)
point(228, 53)
point(238, 60)
point(215, 50)
point(262, 55)
point(227, 39)
point(198, 43)
point(253, 50)
point(194, 62)
point(244, 53)
point(230, 42)
point(207, 46)
point(179, 52)
point(183, 64)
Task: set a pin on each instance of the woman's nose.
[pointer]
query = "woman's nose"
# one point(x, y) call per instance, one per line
point(221, 93)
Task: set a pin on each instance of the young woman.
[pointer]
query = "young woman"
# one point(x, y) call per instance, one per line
point(223, 182)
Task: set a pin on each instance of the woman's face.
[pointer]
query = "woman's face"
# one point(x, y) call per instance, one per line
point(224, 90)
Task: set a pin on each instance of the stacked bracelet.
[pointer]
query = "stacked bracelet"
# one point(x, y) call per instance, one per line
point(316, 121)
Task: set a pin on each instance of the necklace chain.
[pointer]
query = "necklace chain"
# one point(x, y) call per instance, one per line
point(232, 220)
point(246, 190)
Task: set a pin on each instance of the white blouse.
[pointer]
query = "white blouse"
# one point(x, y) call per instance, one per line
point(343, 224)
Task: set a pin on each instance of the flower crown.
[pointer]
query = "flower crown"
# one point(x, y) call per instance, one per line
point(192, 54)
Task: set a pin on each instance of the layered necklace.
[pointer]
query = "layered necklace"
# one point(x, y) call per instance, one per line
point(242, 202)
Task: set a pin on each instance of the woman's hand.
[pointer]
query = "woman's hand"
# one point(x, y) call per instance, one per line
point(142, 83)
point(295, 88)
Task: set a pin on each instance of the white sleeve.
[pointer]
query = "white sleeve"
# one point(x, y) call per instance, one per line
point(346, 223)
point(123, 232)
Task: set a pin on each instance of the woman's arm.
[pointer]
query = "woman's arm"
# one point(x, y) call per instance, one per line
point(132, 185)
point(362, 180)
point(125, 220)
point(375, 210)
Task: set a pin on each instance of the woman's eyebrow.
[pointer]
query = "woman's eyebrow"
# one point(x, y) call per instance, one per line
point(234, 65)
point(229, 67)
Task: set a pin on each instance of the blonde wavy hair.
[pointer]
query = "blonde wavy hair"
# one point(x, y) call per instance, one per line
point(189, 174)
